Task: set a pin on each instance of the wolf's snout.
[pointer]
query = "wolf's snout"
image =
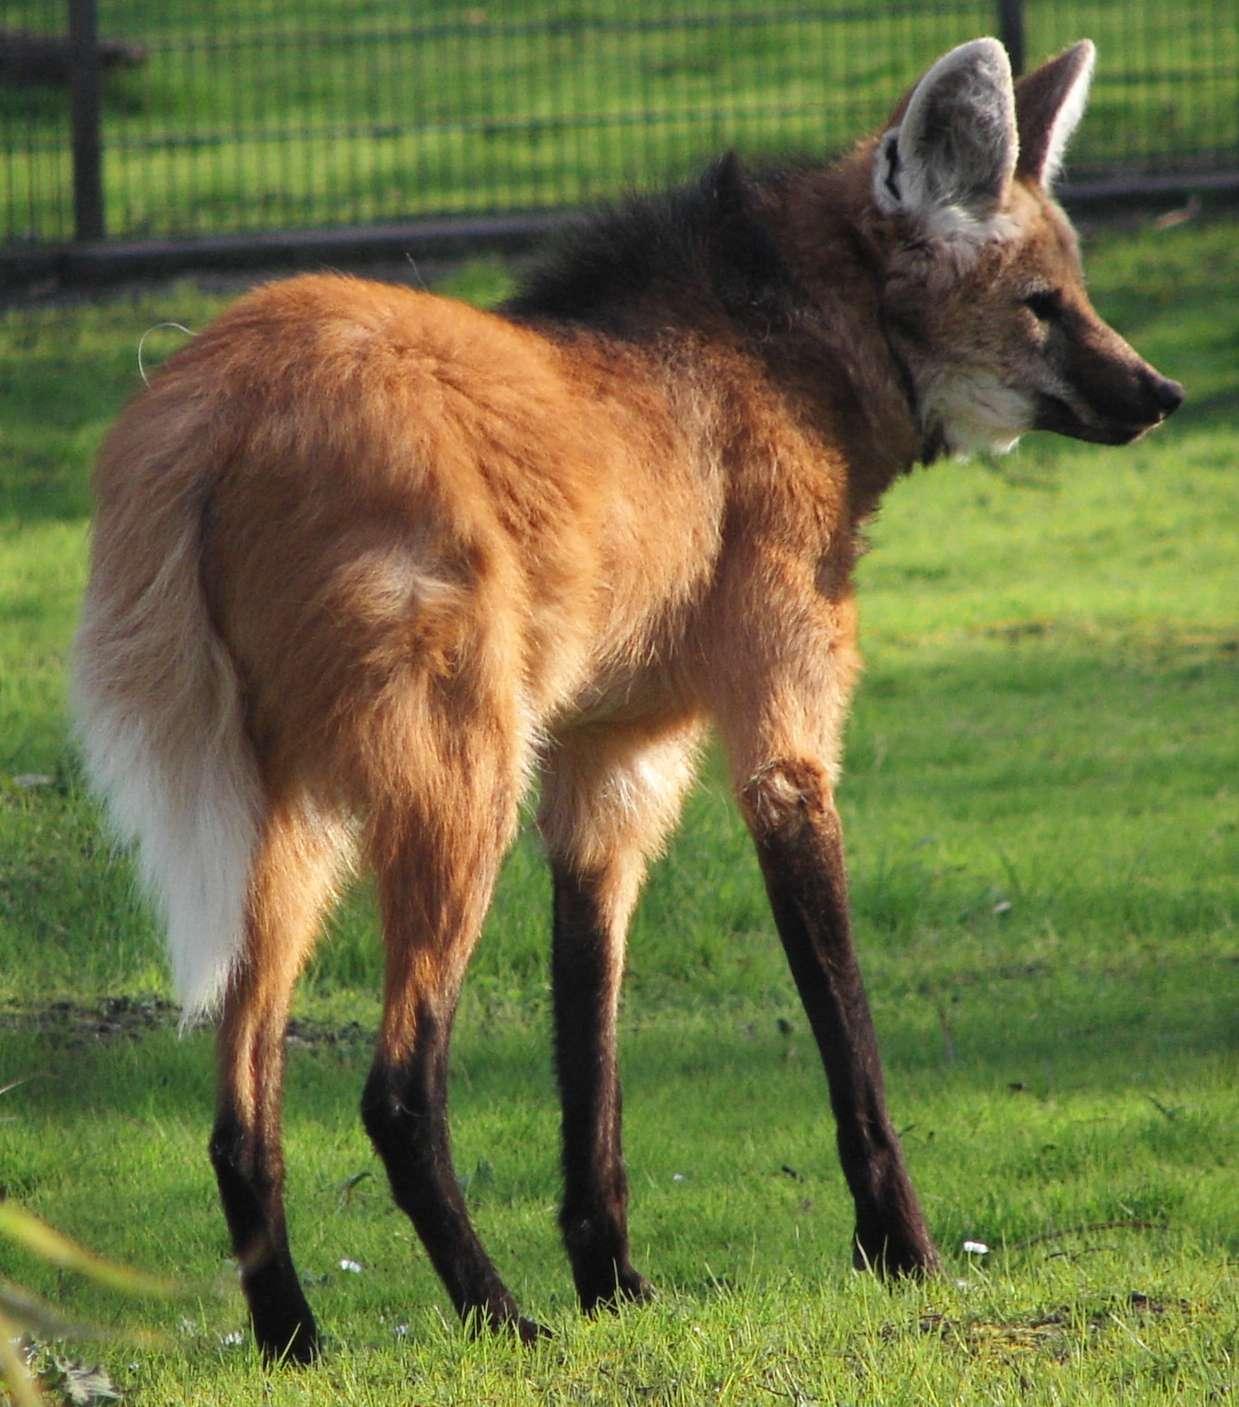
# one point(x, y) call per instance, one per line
point(1164, 395)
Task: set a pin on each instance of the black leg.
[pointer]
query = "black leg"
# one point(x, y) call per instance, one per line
point(290, 884)
point(799, 843)
point(250, 1171)
point(405, 1112)
point(247, 1154)
point(436, 870)
point(587, 959)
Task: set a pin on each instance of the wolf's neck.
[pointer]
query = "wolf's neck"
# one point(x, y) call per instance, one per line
point(869, 397)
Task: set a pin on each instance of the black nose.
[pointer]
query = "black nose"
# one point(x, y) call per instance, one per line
point(1165, 394)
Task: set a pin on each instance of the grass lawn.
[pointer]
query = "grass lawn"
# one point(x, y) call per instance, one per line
point(1042, 821)
point(257, 115)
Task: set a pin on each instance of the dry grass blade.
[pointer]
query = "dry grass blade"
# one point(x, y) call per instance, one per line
point(41, 1240)
point(21, 1385)
point(33, 1315)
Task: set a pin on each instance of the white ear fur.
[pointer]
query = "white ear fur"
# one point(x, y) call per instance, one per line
point(1067, 118)
point(957, 143)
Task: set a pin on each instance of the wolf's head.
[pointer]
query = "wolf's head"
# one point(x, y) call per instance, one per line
point(984, 292)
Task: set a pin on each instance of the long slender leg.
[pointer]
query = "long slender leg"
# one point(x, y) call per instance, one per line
point(790, 810)
point(587, 960)
point(434, 889)
point(608, 802)
point(292, 880)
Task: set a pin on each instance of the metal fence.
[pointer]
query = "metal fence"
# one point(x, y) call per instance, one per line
point(164, 119)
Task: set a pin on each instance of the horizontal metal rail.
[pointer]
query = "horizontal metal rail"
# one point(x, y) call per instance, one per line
point(107, 261)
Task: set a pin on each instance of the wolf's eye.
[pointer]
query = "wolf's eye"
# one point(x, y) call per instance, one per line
point(1046, 305)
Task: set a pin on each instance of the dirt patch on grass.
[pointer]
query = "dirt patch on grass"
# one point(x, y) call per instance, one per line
point(1061, 1332)
point(130, 1018)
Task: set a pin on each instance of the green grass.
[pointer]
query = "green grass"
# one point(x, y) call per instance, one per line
point(1040, 803)
point(247, 116)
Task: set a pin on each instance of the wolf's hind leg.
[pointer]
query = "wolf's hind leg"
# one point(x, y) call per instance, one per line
point(293, 877)
point(436, 863)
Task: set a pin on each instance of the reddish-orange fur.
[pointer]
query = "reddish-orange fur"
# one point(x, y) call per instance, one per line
point(443, 550)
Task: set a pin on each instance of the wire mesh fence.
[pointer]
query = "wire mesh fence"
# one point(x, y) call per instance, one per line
point(234, 116)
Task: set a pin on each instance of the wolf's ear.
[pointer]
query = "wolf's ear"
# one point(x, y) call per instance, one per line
point(1049, 103)
point(955, 141)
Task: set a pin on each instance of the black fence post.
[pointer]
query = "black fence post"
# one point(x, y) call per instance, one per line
point(1011, 31)
point(88, 220)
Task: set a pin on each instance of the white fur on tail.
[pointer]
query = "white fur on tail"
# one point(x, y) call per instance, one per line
point(158, 716)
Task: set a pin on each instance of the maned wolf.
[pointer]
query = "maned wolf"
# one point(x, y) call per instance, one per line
point(366, 561)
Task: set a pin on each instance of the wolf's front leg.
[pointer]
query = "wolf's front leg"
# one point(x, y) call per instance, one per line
point(790, 811)
point(609, 797)
point(587, 957)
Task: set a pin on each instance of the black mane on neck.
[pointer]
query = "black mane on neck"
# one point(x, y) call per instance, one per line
point(679, 255)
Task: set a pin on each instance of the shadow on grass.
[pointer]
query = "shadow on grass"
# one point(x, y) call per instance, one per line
point(1046, 1030)
point(1085, 785)
point(1087, 768)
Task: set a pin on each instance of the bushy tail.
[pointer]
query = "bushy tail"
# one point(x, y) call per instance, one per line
point(155, 694)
